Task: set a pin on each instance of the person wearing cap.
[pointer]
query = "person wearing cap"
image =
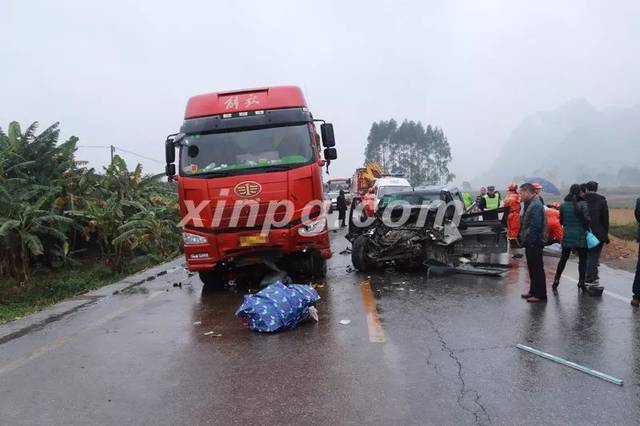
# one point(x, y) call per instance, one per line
point(538, 188)
point(490, 203)
point(512, 201)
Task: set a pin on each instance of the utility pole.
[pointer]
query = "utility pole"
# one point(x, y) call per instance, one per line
point(113, 150)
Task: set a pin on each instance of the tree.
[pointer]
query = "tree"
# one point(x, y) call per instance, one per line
point(49, 206)
point(423, 155)
point(23, 231)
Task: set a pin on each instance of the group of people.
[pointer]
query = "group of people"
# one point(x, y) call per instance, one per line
point(580, 224)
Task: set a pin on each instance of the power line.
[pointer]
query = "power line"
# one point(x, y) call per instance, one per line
point(139, 155)
point(114, 148)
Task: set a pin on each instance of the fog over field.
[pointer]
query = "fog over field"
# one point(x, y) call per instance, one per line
point(120, 73)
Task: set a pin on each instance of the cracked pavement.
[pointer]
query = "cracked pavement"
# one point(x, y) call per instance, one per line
point(448, 356)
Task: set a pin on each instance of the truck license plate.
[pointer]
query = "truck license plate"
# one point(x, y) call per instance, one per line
point(252, 240)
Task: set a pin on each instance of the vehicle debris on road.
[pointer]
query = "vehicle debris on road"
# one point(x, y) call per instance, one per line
point(345, 321)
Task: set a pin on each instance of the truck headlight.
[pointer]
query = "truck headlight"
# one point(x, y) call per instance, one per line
point(188, 239)
point(314, 227)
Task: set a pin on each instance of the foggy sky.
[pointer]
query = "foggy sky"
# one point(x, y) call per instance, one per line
point(117, 73)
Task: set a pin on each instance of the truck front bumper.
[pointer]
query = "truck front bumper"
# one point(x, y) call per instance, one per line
point(231, 247)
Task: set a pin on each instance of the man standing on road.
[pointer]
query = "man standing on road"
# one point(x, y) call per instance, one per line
point(490, 203)
point(636, 282)
point(341, 205)
point(533, 238)
point(599, 212)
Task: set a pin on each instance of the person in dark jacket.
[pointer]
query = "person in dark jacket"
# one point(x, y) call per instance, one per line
point(636, 282)
point(574, 217)
point(341, 205)
point(532, 238)
point(599, 212)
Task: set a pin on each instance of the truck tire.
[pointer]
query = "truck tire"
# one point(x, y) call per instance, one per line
point(319, 268)
point(212, 279)
point(359, 254)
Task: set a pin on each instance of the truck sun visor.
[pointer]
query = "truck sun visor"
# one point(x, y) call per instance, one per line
point(267, 119)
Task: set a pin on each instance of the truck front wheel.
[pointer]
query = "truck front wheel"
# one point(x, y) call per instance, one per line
point(319, 268)
point(212, 279)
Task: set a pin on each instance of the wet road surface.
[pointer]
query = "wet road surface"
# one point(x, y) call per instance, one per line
point(418, 350)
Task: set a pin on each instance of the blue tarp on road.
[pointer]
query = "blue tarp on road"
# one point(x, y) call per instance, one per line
point(277, 307)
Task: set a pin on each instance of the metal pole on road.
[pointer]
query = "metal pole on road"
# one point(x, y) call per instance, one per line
point(573, 365)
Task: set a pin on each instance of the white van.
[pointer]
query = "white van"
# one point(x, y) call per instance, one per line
point(389, 185)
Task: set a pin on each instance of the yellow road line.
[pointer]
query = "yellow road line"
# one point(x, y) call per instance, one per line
point(376, 333)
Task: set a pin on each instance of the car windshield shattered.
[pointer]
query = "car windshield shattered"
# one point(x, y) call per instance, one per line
point(279, 147)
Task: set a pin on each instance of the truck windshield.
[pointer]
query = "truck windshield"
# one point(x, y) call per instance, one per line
point(275, 148)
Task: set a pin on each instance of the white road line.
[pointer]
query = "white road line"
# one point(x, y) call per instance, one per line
point(606, 292)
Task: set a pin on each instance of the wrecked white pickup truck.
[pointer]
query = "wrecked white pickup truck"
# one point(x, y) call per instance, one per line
point(425, 228)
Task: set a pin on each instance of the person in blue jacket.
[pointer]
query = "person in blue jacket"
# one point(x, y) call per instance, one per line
point(533, 238)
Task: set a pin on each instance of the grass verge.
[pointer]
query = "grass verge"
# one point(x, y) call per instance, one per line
point(624, 231)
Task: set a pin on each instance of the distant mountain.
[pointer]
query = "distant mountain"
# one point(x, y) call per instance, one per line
point(573, 143)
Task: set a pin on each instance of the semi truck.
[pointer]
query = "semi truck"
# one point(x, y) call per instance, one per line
point(239, 154)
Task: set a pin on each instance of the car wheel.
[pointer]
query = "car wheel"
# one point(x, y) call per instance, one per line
point(359, 254)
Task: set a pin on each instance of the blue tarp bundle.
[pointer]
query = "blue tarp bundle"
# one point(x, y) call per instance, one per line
point(277, 307)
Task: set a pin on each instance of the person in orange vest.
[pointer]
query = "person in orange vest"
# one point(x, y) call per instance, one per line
point(554, 228)
point(512, 202)
point(369, 201)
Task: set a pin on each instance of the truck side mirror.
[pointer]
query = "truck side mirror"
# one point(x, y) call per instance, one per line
point(330, 154)
point(169, 151)
point(170, 170)
point(328, 139)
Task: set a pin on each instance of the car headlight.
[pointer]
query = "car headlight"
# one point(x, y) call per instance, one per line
point(188, 238)
point(314, 227)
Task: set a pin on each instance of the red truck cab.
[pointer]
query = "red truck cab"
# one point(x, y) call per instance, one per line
point(250, 182)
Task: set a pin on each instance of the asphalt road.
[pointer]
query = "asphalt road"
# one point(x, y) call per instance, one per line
point(438, 350)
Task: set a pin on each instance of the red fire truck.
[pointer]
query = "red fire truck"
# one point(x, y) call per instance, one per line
point(240, 154)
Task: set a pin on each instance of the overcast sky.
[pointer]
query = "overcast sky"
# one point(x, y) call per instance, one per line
point(117, 73)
